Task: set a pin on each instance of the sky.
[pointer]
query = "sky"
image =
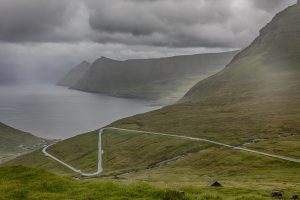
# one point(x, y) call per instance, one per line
point(42, 39)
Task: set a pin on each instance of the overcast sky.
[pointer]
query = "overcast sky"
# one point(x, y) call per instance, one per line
point(50, 35)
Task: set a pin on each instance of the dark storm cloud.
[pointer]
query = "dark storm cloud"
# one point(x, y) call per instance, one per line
point(270, 5)
point(161, 23)
point(208, 23)
point(173, 23)
point(33, 20)
point(43, 37)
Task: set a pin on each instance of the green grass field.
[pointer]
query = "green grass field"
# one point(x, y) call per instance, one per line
point(281, 145)
point(38, 160)
point(126, 152)
point(80, 151)
point(24, 183)
point(160, 160)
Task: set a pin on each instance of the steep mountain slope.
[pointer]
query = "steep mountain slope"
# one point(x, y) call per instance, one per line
point(14, 142)
point(75, 74)
point(257, 96)
point(269, 66)
point(150, 78)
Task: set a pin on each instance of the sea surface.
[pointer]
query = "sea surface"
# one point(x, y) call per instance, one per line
point(57, 112)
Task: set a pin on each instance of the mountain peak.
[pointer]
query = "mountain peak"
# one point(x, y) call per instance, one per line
point(106, 58)
point(278, 38)
point(265, 69)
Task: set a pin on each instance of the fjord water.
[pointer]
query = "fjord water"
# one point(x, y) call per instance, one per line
point(58, 112)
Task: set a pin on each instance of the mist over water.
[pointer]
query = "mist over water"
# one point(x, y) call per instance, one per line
point(57, 112)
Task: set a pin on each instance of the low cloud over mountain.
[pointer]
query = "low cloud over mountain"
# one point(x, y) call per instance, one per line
point(121, 28)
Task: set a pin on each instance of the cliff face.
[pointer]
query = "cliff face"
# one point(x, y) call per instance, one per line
point(75, 74)
point(279, 38)
point(149, 78)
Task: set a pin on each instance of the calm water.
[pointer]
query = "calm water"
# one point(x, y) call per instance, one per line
point(57, 112)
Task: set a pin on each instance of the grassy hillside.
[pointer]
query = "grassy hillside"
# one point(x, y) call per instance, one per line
point(37, 159)
point(159, 160)
point(255, 98)
point(14, 142)
point(126, 152)
point(122, 152)
point(24, 183)
point(79, 151)
point(167, 79)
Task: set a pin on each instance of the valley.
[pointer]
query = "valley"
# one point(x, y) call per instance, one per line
point(231, 118)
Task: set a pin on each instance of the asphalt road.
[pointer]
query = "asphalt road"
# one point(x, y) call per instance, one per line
point(100, 151)
point(216, 143)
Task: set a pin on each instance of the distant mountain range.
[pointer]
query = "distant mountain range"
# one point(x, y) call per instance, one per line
point(160, 78)
point(75, 74)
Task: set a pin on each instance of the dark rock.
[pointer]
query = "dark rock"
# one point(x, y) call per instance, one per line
point(215, 184)
point(295, 197)
point(277, 194)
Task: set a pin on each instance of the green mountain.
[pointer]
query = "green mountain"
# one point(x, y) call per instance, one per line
point(14, 142)
point(255, 98)
point(167, 79)
point(75, 74)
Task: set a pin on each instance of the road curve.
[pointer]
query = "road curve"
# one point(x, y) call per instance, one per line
point(100, 151)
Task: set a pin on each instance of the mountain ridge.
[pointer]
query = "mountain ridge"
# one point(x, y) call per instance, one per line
point(157, 78)
point(75, 74)
point(273, 49)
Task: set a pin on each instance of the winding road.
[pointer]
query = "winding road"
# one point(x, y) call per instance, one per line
point(100, 151)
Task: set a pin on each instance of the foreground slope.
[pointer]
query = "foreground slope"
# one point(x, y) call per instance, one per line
point(148, 78)
point(24, 183)
point(14, 142)
point(255, 98)
point(160, 160)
